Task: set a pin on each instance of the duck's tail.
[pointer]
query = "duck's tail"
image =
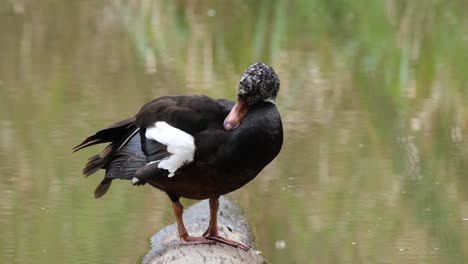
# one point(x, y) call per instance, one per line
point(119, 135)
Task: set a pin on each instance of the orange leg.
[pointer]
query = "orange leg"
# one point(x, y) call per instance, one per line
point(212, 231)
point(185, 238)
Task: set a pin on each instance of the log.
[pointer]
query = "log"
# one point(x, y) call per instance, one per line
point(166, 247)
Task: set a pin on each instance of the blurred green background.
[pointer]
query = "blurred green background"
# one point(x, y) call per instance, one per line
point(374, 98)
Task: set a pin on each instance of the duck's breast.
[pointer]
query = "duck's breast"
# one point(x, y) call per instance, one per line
point(254, 144)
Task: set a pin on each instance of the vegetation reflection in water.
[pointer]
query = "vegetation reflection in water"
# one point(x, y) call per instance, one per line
point(373, 99)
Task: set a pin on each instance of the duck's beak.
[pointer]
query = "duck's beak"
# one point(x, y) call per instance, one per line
point(237, 114)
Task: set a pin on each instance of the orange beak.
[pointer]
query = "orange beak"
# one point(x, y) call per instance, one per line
point(237, 114)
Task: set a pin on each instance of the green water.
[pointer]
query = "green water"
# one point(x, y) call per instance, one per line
point(374, 98)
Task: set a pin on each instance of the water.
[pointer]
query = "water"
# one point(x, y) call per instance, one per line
point(373, 98)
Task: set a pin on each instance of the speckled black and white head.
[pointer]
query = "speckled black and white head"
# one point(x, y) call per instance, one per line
point(259, 83)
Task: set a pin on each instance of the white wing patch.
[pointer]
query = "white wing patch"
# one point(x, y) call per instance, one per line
point(180, 144)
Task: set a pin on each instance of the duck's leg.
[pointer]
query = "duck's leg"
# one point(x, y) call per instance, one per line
point(212, 231)
point(185, 238)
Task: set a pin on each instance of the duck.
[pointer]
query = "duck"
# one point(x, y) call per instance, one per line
point(194, 147)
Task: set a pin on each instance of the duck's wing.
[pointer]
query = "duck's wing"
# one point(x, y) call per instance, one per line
point(175, 123)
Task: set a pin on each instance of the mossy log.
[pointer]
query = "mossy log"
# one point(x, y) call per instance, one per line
point(166, 247)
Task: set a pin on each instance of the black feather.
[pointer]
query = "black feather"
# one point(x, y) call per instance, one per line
point(93, 165)
point(110, 134)
point(102, 187)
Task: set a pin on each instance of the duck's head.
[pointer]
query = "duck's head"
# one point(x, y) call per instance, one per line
point(258, 84)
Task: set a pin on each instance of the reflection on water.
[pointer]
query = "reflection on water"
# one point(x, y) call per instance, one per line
point(373, 99)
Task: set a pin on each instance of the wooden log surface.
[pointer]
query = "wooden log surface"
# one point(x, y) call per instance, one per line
point(166, 247)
